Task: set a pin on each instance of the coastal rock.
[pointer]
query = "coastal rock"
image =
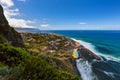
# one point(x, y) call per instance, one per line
point(87, 54)
point(107, 70)
point(7, 32)
point(104, 69)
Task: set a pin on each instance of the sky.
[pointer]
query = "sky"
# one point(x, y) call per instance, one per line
point(63, 14)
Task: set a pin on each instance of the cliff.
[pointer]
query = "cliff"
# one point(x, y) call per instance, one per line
point(18, 64)
point(12, 37)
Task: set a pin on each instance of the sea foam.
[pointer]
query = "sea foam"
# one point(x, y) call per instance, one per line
point(85, 70)
point(91, 47)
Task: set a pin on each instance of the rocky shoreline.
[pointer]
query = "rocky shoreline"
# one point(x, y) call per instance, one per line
point(47, 53)
point(103, 68)
point(57, 50)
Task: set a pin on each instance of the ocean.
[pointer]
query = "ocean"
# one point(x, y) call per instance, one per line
point(104, 43)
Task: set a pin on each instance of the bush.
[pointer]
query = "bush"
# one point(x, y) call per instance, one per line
point(35, 68)
point(12, 56)
point(4, 70)
point(25, 67)
point(1, 64)
point(2, 40)
point(62, 75)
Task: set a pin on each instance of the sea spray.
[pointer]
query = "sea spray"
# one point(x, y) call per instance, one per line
point(92, 48)
point(85, 70)
point(88, 46)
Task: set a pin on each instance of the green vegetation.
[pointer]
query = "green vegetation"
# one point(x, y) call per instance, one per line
point(18, 64)
point(56, 50)
point(2, 40)
point(52, 44)
point(11, 56)
point(37, 69)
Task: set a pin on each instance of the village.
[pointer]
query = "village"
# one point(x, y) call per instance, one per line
point(51, 44)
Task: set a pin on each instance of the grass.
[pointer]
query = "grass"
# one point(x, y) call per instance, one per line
point(22, 65)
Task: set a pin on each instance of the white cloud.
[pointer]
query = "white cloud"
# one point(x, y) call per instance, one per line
point(82, 23)
point(21, 23)
point(44, 25)
point(11, 12)
point(7, 3)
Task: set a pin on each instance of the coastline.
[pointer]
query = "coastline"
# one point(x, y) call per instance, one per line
point(91, 47)
point(104, 69)
point(90, 65)
point(53, 48)
point(59, 40)
point(32, 38)
point(17, 61)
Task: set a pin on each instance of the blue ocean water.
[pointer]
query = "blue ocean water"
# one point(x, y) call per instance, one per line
point(105, 42)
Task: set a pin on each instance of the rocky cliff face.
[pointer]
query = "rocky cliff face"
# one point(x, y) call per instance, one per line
point(7, 32)
point(3, 20)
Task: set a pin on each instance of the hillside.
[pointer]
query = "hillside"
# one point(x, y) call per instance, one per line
point(12, 37)
point(53, 48)
point(18, 63)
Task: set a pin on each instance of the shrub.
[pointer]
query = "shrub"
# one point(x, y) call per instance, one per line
point(25, 67)
point(2, 40)
point(12, 56)
point(4, 70)
point(62, 75)
point(34, 68)
point(1, 64)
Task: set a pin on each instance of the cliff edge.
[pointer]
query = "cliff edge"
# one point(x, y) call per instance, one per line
point(12, 37)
